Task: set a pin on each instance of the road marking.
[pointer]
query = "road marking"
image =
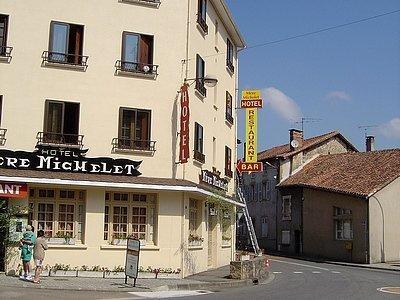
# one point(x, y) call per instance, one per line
point(316, 272)
point(277, 272)
point(390, 290)
point(169, 294)
point(335, 272)
point(297, 264)
point(297, 272)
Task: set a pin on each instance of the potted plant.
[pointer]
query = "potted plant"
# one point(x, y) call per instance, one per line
point(60, 270)
point(195, 240)
point(93, 272)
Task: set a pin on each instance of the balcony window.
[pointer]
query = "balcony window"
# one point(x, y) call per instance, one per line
point(228, 108)
point(229, 56)
point(134, 131)
point(198, 143)
point(137, 55)
point(2, 130)
point(202, 16)
point(65, 45)
point(200, 73)
point(4, 50)
point(61, 125)
point(228, 160)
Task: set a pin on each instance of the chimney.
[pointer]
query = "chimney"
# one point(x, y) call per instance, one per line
point(370, 143)
point(296, 138)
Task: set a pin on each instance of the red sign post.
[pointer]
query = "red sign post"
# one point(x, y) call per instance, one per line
point(184, 132)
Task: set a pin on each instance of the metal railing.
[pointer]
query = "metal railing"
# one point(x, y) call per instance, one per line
point(200, 157)
point(5, 51)
point(202, 23)
point(136, 67)
point(229, 117)
point(200, 87)
point(230, 66)
point(126, 144)
point(3, 136)
point(59, 139)
point(65, 58)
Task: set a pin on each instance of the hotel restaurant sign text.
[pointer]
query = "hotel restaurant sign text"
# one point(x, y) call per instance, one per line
point(46, 158)
point(213, 180)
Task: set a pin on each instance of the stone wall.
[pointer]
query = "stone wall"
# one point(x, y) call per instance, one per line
point(249, 269)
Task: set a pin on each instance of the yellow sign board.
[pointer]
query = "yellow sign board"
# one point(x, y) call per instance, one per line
point(251, 135)
point(251, 94)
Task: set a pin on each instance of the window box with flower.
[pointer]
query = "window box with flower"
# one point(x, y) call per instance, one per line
point(195, 240)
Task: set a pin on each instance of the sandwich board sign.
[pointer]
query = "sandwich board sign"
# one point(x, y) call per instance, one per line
point(132, 259)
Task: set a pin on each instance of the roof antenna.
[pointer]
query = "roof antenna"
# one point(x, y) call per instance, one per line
point(305, 120)
point(366, 128)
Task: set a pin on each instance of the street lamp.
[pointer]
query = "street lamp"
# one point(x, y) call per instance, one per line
point(209, 80)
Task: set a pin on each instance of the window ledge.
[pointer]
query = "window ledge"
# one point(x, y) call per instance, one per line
point(77, 247)
point(5, 59)
point(195, 247)
point(64, 66)
point(135, 151)
point(151, 76)
point(154, 3)
point(119, 247)
point(228, 123)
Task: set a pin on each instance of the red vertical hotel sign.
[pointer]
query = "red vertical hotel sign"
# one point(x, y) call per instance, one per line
point(184, 133)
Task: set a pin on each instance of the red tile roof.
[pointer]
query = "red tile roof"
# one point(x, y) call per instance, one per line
point(357, 173)
point(284, 151)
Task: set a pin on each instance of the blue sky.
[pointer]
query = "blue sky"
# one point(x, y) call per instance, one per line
point(346, 77)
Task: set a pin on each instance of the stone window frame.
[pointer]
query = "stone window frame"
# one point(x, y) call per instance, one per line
point(287, 208)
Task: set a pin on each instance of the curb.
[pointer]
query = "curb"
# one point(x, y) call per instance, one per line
point(334, 262)
point(265, 279)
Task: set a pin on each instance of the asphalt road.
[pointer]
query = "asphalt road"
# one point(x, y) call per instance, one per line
point(293, 279)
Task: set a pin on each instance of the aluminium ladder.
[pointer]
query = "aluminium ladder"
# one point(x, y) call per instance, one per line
point(249, 223)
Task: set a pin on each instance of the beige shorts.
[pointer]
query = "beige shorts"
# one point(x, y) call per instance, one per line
point(39, 262)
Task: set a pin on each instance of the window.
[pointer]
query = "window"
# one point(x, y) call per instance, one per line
point(200, 73)
point(4, 50)
point(61, 125)
point(137, 53)
point(202, 15)
point(228, 109)
point(286, 208)
point(66, 43)
point(228, 162)
point(285, 237)
point(343, 223)
point(134, 130)
point(264, 227)
point(229, 56)
point(266, 190)
point(59, 213)
point(198, 143)
point(132, 215)
point(194, 219)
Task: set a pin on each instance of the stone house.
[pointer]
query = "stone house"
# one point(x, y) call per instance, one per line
point(343, 207)
point(262, 196)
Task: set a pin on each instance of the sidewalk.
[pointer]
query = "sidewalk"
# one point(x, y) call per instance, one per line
point(212, 279)
point(389, 266)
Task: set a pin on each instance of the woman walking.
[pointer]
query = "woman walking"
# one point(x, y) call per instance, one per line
point(38, 254)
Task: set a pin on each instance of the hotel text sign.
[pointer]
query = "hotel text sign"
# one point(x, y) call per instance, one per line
point(66, 160)
point(251, 101)
point(184, 132)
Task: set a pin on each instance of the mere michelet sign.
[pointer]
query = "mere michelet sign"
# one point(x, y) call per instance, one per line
point(132, 258)
point(46, 158)
point(213, 180)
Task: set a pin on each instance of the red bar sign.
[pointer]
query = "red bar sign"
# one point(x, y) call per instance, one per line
point(249, 167)
point(184, 132)
point(13, 190)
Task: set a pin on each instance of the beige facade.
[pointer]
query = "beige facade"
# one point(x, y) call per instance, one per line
point(177, 37)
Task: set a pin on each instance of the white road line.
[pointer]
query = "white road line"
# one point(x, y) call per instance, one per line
point(335, 272)
point(297, 272)
point(277, 272)
point(169, 294)
point(316, 272)
point(297, 264)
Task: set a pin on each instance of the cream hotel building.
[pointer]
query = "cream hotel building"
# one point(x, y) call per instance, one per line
point(92, 139)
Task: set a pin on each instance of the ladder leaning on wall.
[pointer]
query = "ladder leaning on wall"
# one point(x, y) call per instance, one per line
point(249, 223)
